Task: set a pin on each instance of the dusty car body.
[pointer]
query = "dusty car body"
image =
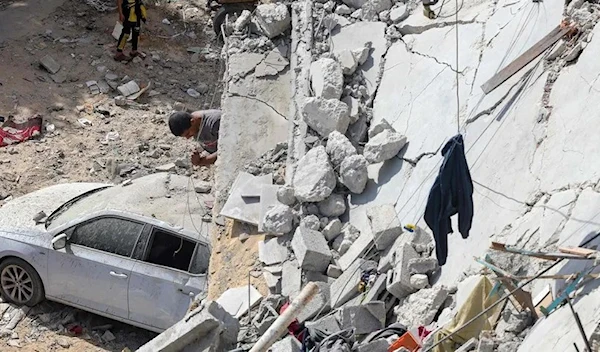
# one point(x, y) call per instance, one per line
point(125, 252)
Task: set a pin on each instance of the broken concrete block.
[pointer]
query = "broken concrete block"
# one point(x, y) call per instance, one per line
point(236, 301)
point(273, 19)
point(314, 179)
point(240, 208)
point(486, 342)
point(377, 128)
point(202, 187)
point(333, 206)
point(311, 222)
point(353, 104)
point(327, 79)
point(364, 318)
point(291, 279)
point(273, 282)
point(347, 62)
point(344, 287)
point(334, 271)
point(311, 249)
point(348, 235)
point(278, 220)
point(376, 289)
point(557, 51)
point(398, 278)
point(328, 324)
point(242, 21)
point(399, 13)
point(385, 225)
point(358, 248)
point(339, 148)
point(288, 344)
point(362, 54)
point(373, 8)
point(319, 304)
point(419, 281)
point(332, 229)
point(128, 88)
point(243, 63)
point(285, 195)
point(357, 4)
point(422, 265)
point(574, 53)
point(271, 65)
point(354, 173)
point(421, 307)
point(272, 251)
point(384, 146)
point(50, 64)
point(357, 131)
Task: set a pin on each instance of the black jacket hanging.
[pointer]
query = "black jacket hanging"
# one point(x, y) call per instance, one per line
point(451, 193)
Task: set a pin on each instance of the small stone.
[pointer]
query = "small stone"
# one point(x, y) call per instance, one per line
point(361, 55)
point(343, 10)
point(195, 58)
point(399, 13)
point(128, 88)
point(311, 222)
point(120, 101)
point(338, 148)
point(314, 179)
point(193, 93)
point(64, 343)
point(111, 77)
point(332, 229)
point(50, 64)
point(419, 281)
point(278, 220)
point(202, 88)
point(384, 146)
point(333, 206)
point(203, 187)
point(166, 21)
point(354, 173)
point(108, 336)
point(327, 78)
point(285, 195)
point(166, 168)
point(377, 128)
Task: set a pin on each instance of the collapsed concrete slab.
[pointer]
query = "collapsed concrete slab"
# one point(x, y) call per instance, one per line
point(327, 78)
point(272, 64)
point(326, 115)
point(273, 19)
point(207, 328)
point(314, 179)
point(311, 249)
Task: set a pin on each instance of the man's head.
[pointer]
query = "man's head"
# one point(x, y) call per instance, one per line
point(183, 124)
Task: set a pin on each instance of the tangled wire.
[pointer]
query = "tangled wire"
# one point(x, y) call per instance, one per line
point(102, 5)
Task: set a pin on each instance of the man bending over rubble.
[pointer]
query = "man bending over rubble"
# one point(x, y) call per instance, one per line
point(204, 126)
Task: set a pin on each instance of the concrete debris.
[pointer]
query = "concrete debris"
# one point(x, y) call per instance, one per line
point(332, 229)
point(285, 195)
point(327, 78)
point(311, 249)
point(513, 322)
point(193, 93)
point(326, 115)
point(364, 318)
point(271, 65)
point(346, 238)
point(273, 19)
point(272, 251)
point(376, 289)
point(353, 104)
point(372, 9)
point(328, 324)
point(333, 206)
point(240, 208)
point(486, 342)
point(235, 300)
point(423, 265)
point(574, 53)
point(338, 148)
point(384, 146)
point(166, 168)
point(354, 173)
point(311, 222)
point(242, 64)
point(419, 281)
point(288, 344)
point(385, 225)
point(343, 288)
point(357, 4)
point(347, 62)
point(291, 279)
point(242, 21)
point(278, 219)
point(108, 336)
point(207, 328)
point(202, 187)
point(334, 271)
point(343, 10)
point(320, 303)
point(379, 127)
point(470, 345)
point(50, 64)
point(273, 281)
point(399, 13)
point(398, 277)
point(314, 179)
point(362, 54)
point(421, 307)
point(128, 88)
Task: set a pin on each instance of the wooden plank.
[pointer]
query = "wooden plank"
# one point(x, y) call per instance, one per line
point(541, 255)
point(525, 58)
point(584, 252)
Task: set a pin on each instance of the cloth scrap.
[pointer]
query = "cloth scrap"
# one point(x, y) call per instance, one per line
point(12, 132)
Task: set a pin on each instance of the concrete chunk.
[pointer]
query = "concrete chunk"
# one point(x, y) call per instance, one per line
point(272, 64)
point(384, 146)
point(273, 281)
point(50, 64)
point(422, 265)
point(268, 201)
point(353, 104)
point(358, 248)
point(421, 308)
point(333, 229)
point(347, 62)
point(419, 281)
point(339, 148)
point(327, 78)
point(334, 271)
point(328, 325)
point(291, 279)
point(326, 115)
point(311, 222)
point(470, 345)
point(384, 224)
point(288, 344)
point(272, 251)
point(278, 219)
point(344, 287)
point(399, 13)
point(128, 88)
point(379, 127)
point(398, 278)
point(273, 19)
point(373, 346)
point(314, 179)
point(346, 238)
point(354, 173)
point(311, 249)
point(243, 209)
point(376, 289)
point(319, 303)
point(357, 4)
point(364, 318)
point(235, 300)
point(333, 206)
point(285, 195)
point(244, 63)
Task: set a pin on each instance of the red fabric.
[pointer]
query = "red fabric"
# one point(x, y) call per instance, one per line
point(295, 329)
point(423, 332)
point(12, 133)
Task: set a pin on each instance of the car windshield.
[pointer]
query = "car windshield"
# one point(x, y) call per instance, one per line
point(69, 204)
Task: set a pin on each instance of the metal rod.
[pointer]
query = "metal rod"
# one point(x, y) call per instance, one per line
point(249, 302)
point(285, 319)
point(576, 348)
point(505, 297)
point(579, 325)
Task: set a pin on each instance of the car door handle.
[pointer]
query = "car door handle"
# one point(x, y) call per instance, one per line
point(119, 275)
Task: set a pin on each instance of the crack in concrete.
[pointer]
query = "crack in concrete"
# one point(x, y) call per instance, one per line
point(410, 50)
point(415, 161)
point(261, 101)
point(408, 29)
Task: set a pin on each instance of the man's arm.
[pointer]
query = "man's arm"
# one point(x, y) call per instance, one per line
point(211, 158)
point(120, 8)
point(203, 160)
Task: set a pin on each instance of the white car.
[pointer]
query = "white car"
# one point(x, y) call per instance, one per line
point(135, 253)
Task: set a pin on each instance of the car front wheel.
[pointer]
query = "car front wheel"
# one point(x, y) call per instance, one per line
point(20, 283)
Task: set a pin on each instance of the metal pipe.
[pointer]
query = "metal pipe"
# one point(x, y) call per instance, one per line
point(280, 325)
point(578, 321)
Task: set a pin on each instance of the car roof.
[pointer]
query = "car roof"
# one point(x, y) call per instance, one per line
point(162, 199)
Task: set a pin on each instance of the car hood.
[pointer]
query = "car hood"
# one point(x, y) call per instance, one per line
point(19, 212)
point(27, 235)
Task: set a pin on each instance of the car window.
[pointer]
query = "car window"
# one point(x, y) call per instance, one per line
point(170, 250)
point(112, 235)
point(201, 260)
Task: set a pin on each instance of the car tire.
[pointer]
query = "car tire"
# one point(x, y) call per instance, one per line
point(20, 283)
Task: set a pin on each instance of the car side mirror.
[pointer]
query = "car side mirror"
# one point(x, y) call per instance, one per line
point(59, 241)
